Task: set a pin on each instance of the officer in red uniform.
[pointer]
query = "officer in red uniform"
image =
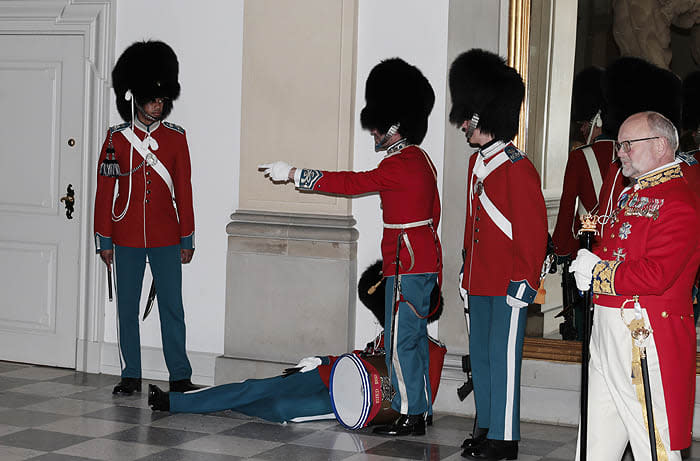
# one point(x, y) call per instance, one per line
point(642, 270)
point(399, 99)
point(505, 241)
point(149, 214)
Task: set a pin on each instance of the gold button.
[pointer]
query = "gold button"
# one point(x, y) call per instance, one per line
point(597, 296)
point(605, 248)
point(681, 317)
point(664, 314)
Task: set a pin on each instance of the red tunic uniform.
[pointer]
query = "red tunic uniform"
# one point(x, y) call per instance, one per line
point(407, 184)
point(579, 188)
point(505, 235)
point(650, 248)
point(151, 219)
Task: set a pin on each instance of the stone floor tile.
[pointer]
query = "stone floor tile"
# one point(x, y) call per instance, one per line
point(272, 432)
point(88, 427)
point(69, 407)
point(229, 445)
point(413, 450)
point(298, 453)
point(198, 423)
point(17, 454)
point(155, 436)
point(345, 441)
point(127, 415)
point(51, 389)
point(38, 373)
point(110, 450)
point(36, 439)
point(175, 454)
point(25, 418)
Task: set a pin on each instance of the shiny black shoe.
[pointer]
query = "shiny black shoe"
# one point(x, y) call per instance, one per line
point(477, 438)
point(183, 385)
point(404, 425)
point(127, 386)
point(157, 399)
point(493, 450)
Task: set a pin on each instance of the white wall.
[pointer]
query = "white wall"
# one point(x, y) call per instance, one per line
point(415, 31)
point(207, 37)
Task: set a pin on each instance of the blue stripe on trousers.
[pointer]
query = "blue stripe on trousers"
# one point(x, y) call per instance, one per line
point(166, 268)
point(276, 399)
point(411, 344)
point(496, 350)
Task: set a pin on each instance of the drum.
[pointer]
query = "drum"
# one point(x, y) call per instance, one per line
point(361, 391)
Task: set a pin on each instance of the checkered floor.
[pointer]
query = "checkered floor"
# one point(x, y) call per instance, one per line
point(56, 414)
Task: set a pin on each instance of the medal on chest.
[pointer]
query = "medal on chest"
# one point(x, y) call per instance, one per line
point(478, 187)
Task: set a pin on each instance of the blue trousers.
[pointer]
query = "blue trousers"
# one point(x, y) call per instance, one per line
point(166, 267)
point(276, 399)
point(410, 374)
point(496, 338)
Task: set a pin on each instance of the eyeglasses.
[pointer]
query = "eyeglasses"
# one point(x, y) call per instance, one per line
point(626, 146)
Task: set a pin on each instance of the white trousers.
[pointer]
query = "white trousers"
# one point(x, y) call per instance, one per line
point(615, 412)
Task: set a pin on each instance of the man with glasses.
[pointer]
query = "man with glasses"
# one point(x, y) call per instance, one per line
point(642, 270)
point(150, 213)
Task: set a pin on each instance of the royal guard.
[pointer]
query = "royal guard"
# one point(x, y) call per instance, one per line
point(587, 165)
point(505, 242)
point(301, 393)
point(641, 385)
point(398, 101)
point(143, 206)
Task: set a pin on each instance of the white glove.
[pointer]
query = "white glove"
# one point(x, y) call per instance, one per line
point(462, 291)
point(582, 267)
point(278, 171)
point(308, 364)
point(515, 303)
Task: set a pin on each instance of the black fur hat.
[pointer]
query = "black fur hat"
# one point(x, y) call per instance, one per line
point(587, 94)
point(149, 70)
point(632, 85)
point(371, 289)
point(397, 92)
point(691, 101)
point(481, 83)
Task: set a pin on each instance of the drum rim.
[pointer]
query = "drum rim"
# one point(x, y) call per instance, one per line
point(366, 388)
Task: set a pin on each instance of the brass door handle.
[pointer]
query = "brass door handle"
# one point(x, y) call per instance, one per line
point(69, 201)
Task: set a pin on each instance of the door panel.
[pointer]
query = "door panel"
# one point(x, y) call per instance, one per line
point(41, 108)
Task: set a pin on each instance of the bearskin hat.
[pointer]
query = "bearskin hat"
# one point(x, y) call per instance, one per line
point(397, 92)
point(587, 94)
point(371, 290)
point(149, 70)
point(481, 83)
point(632, 85)
point(691, 101)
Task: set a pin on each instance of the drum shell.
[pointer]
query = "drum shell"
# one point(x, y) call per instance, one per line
point(386, 414)
point(373, 367)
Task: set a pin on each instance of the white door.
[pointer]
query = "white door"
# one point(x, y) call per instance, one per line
point(41, 123)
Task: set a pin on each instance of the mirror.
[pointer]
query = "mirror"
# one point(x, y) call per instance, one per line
point(548, 44)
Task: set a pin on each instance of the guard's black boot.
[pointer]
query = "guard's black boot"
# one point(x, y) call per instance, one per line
point(183, 385)
point(493, 450)
point(157, 399)
point(404, 425)
point(477, 438)
point(428, 420)
point(127, 386)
